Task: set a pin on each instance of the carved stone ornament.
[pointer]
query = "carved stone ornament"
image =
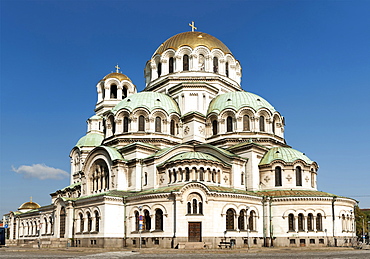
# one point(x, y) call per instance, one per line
point(289, 178)
point(186, 130)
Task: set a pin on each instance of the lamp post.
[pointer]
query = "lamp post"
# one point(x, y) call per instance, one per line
point(363, 229)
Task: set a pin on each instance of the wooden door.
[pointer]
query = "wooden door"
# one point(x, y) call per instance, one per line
point(195, 232)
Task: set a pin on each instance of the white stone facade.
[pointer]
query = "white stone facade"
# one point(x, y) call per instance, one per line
point(198, 158)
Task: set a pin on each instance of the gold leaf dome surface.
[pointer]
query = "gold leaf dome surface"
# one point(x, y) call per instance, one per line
point(118, 76)
point(29, 206)
point(192, 39)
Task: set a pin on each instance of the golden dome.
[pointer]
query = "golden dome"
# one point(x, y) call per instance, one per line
point(29, 206)
point(118, 76)
point(192, 39)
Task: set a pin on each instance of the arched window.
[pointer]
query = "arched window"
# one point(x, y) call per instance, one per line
point(278, 178)
point(310, 222)
point(229, 124)
point(137, 221)
point(189, 207)
point(97, 221)
point(159, 219)
point(273, 126)
point(262, 123)
point(146, 221)
point(185, 63)
point(246, 123)
point(158, 124)
point(195, 206)
point(124, 92)
point(298, 176)
point(170, 65)
point(187, 174)
point(200, 208)
point(242, 178)
point(214, 127)
point(81, 223)
point(62, 222)
point(241, 220)
point(45, 225)
point(172, 127)
point(251, 225)
point(343, 222)
point(145, 178)
point(300, 222)
point(229, 219)
point(159, 69)
point(113, 92)
point(201, 62)
point(125, 124)
point(201, 174)
point(89, 222)
point(141, 123)
point(319, 222)
point(291, 222)
point(215, 65)
point(227, 69)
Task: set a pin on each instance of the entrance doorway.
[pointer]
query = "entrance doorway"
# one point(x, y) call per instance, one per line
point(195, 232)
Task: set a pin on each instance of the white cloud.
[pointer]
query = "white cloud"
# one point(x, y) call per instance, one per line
point(41, 172)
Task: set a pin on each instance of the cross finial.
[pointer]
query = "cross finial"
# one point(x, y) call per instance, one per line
point(31, 199)
point(193, 26)
point(117, 68)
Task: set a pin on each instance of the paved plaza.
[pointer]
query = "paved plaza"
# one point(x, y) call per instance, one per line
point(19, 252)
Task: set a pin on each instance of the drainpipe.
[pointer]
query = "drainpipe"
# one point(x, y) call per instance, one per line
point(124, 220)
point(332, 210)
point(270, 201)
point(264, 221)
point(174, 220)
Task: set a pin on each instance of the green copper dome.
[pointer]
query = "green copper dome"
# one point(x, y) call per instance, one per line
point(90, 140)
point(238, 100)
point(288, 155)
point(149, 101)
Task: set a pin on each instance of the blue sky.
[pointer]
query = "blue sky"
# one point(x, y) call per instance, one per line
point(309, 59)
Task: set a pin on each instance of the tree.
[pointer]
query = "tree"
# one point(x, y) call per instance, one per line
point(361, 219)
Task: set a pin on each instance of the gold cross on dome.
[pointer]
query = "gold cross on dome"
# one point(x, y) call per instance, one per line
point(117, 68)
point(193, 26)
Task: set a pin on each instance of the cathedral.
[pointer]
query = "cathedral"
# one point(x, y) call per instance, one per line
point(192, 161)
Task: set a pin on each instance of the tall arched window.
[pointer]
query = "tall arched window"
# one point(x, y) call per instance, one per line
point(158, 124)
point(215, 65)
point(187, 174)
point(137, 221)
point(246, 123)
point(229, 219)
point(298, 176)
point(201, 62)
point(300, 222)
point(97, 221)
point(273, 126)
point(89, 222)
point(189, 207)
point(251, 218)
point(343, 222)
point(159, 219)
point(291, 222)
point(185, 63)
point(195, 206)
point(124, 92)
point(113, 92)
point(278, 178)
point(159, 69)
point(241, 220)
point(170, 65)
point(319, 222)
point(214, 127)
point(310, 222)
point(141, 123)
point(62, 222)
point(262, 123)
point(200, 207)
point(125, 124)
point(172, 127)
point(147, 220)
point(229, 124)
point(81, 223)
point(227, 69)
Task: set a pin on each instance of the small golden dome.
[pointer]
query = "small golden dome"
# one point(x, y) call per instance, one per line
point(192, 39)
point(29, 206)
point(118, 76)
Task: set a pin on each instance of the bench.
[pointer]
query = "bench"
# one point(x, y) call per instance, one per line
point(224, 244)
